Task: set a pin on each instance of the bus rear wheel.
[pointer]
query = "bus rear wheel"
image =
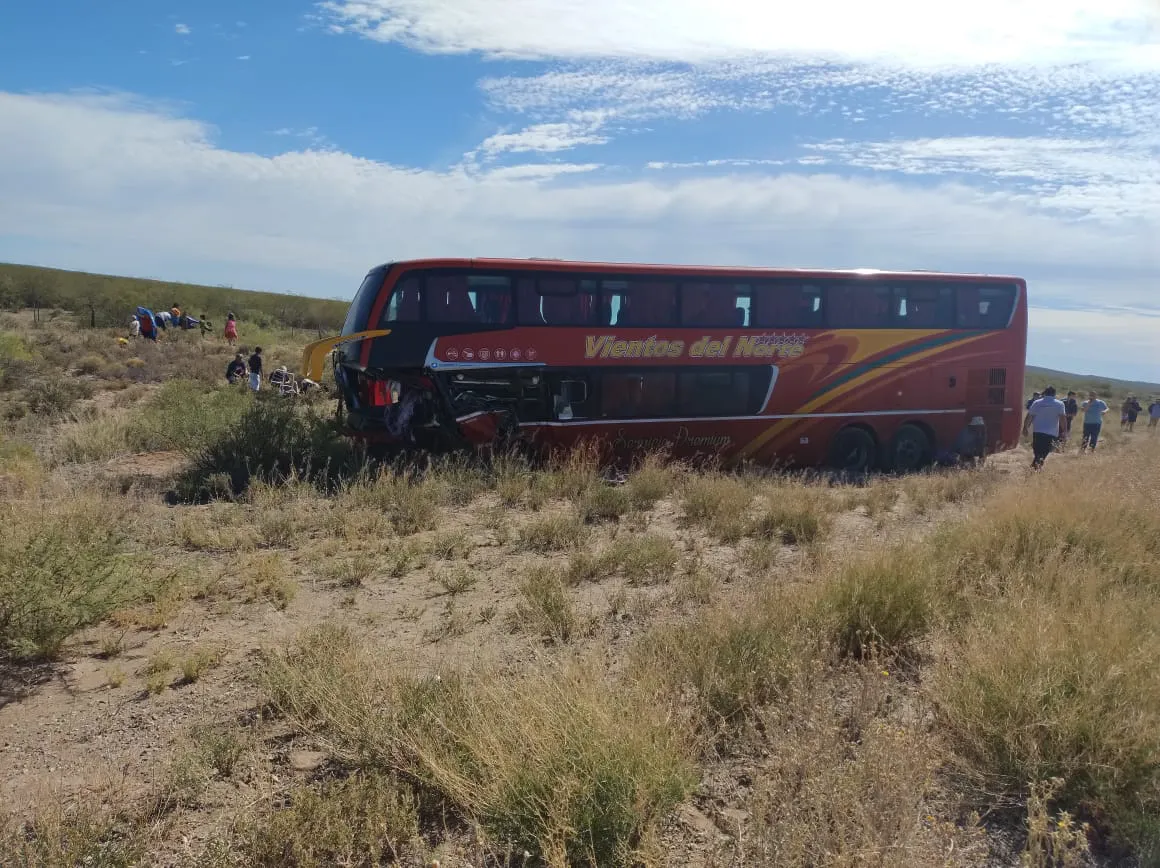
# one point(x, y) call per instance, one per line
point(911, 449)
point(853, 451)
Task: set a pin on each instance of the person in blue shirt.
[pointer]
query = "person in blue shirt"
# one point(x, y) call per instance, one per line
point(1047, 419)
point(1093, 420)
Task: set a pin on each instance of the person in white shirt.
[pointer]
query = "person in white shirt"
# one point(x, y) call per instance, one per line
point(1047, 419)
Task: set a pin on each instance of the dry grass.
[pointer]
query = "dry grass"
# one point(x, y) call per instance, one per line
point(719, 504)
point(545, 607)
point(362, 821)
point(848, 700)
point(552, 533)
point(557, 763)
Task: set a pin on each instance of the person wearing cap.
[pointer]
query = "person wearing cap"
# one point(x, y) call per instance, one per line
point(1094, 411)
point(1047, 420)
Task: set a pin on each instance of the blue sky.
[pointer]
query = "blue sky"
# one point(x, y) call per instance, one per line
point(290, 145)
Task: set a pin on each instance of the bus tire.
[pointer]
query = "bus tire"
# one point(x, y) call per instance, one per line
point(853, 450)
point(910, 450)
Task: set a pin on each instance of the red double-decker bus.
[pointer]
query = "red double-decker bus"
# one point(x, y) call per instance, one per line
point(855, 369)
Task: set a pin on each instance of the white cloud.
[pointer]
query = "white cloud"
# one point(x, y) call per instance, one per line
point(908, 32)
point(182, 29)
point(103, 182)
point(244, 57)
point(1106, 179)
point(547, 138)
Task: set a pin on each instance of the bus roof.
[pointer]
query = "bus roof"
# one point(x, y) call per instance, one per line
point(705, 270)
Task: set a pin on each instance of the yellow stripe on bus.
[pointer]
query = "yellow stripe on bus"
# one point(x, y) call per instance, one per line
point(756, 443)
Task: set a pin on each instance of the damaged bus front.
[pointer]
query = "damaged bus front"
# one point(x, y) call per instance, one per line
point(395, 392)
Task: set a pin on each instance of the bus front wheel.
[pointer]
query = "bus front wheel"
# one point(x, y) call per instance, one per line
point(853, 451)
point(911, 449)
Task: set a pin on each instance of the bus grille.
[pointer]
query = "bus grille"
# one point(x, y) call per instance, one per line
point(987, 386)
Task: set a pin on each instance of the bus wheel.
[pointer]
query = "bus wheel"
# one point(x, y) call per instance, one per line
point(910, 450)
point(853, 451)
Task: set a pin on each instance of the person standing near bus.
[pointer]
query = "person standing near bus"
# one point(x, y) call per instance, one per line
point(1094, 411)
point(1047, 420)
point(1131, 412)
point(1072, 406)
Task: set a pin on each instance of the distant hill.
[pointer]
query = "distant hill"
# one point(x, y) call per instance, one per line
point(106, 300)
point(1038, 378)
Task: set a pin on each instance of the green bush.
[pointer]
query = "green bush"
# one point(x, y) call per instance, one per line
point(59, 572)
point(274, 440)
point(186, 416)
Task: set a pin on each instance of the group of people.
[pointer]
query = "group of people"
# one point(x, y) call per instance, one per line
point(1049, 420)
point(147, 324)
point(239, 370)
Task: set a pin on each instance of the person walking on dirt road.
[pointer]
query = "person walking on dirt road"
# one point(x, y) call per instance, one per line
point(1047, 419)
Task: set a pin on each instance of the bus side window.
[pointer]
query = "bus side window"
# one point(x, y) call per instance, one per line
point(528, 303)
point(930, 307)
point(565, 301)
point(987, 307)
point(490, 297)
point(786, 305)
point(644, 395)
point(859, 305)
point(720, 305)
point(447, 299)
point(404, 303)
point(640, 303)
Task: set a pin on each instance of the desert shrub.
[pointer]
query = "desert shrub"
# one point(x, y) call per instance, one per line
point(652, 480)
point(61, 569)
point(557, 763)
point(882, 602)
point(363, 821)
point(717, 503)
point(644, 559)
point(273, 440)
point(799, 524)
point(54, 397)
point(185, 416)
point(545, 607)
point(728, 663)
point(827, 798)
point(604, 503)
point(553, 533)
point(1060, 686)
point(66, 836)
point(410, 501)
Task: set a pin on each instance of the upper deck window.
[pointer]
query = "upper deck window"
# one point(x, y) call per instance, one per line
point(556, 300)
point(859, 305)
point(719, 305)
point(927, 307)
point(403, 305)
point(788, 305)
point(985, 307)
point(630, 303)
point(468, 299)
